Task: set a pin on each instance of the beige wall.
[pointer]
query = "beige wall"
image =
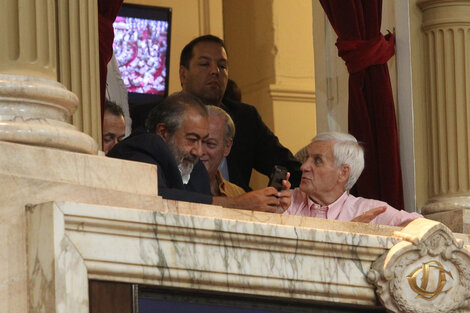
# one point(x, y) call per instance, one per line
point(271, 59)
point(250, 43)
point(270, 45)
point(190, 18)
point(419, 104)
point(331, 76)
point(293, 92)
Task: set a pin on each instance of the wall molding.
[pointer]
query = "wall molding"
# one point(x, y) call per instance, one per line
point(291, 94)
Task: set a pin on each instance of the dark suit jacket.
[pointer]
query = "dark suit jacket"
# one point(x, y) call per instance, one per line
point(151, 148)
point(255, 146)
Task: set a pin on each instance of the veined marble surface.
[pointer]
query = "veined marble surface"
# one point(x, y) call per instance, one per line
point(212, 253)
point(31, 175)
point(454, 212)
point(127, 233)
point(243, 252)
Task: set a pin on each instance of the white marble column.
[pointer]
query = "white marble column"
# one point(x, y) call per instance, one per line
point(78, 56)
point(446, 25)
point(34, 107)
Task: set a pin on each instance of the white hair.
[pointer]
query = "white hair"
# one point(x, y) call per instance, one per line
point(346, 150)
point(229, 133)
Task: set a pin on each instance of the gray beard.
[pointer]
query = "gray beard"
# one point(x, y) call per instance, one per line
point(185, 169)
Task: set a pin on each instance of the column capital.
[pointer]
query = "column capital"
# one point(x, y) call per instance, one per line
point(444, 13)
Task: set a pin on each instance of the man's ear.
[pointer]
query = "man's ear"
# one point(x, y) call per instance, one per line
point(182, 74)
point(227, 148)
point(344, 172)
point(162, 131)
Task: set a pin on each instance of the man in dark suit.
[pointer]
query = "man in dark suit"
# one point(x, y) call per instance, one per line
point(176, 129)
point(204, 73)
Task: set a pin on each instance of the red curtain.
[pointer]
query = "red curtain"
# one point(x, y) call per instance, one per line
point(371, 116)
point(107, 12)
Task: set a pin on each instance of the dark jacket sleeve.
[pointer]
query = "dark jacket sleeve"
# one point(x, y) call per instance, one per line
point(271, 152)
point(197, 190)
point(149, 148)
point(183, 194)
point(256, 147)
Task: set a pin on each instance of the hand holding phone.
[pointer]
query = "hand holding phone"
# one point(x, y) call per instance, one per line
point(278, 174)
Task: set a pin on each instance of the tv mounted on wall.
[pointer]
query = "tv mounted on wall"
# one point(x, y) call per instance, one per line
point(142, 49)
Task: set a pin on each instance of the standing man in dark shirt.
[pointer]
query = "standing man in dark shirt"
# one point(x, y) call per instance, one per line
point(204, 73)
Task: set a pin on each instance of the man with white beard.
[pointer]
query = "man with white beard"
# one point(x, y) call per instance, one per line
point(176, 130)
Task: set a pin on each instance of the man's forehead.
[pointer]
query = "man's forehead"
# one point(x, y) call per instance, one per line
point(217, 123)
point(205, 49)
point(323, 148)
point(195, 121)
point(216, 126)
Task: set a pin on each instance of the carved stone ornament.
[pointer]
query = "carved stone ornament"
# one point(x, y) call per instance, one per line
point(427, 271)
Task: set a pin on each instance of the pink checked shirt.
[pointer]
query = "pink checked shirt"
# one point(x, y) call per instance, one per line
point(345, 208)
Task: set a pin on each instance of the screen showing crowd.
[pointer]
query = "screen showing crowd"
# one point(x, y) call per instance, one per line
point(140, 46)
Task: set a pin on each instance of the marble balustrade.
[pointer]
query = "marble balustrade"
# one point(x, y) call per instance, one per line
point(211, 248)
point(69, 217)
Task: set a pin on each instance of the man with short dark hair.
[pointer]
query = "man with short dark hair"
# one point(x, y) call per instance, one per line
point(114, 125)
point(204, 73)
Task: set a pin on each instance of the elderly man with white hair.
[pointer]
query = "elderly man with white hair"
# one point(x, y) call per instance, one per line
point(335, 162)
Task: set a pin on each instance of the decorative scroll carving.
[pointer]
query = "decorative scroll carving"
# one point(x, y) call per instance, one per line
point(428, 271)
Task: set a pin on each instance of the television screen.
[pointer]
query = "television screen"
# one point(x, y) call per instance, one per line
point(140, 46)
point(142, 49)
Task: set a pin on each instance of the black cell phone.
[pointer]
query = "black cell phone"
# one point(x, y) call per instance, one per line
point(278, 174)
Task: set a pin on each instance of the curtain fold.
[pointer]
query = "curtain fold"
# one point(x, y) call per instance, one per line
point(371, 110)
point(107, 12)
